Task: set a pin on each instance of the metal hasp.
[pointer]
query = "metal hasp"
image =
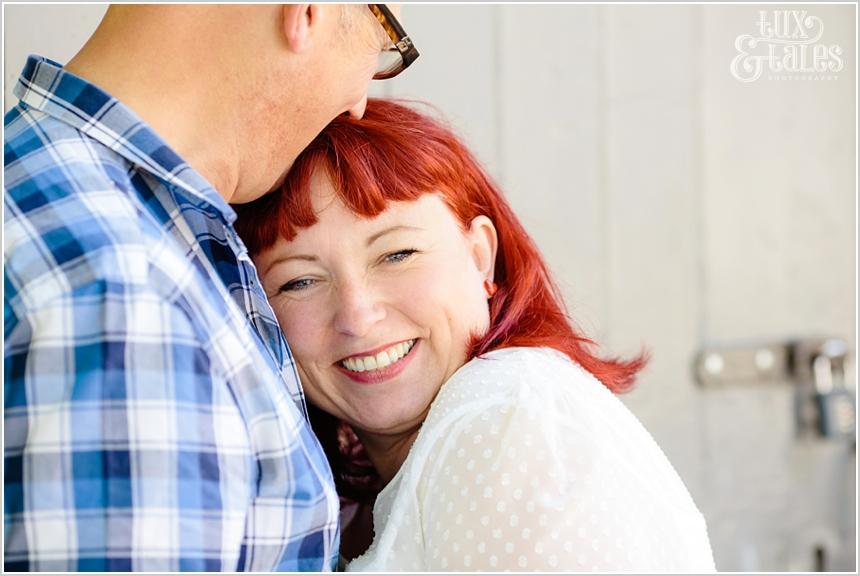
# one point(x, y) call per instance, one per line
point(816, 367)
point(819, 369)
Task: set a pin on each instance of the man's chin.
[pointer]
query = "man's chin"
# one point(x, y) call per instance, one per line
point(280, 181)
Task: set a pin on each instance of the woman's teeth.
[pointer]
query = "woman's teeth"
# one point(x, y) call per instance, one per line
point(381, 360)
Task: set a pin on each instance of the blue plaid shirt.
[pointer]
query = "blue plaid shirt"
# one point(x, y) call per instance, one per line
point(153, 415)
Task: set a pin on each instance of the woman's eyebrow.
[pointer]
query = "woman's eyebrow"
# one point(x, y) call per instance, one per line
point(303, 257)
point(385, 231)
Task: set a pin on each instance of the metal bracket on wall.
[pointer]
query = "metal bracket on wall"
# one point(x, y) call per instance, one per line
point(814, 366)
point(721, 366)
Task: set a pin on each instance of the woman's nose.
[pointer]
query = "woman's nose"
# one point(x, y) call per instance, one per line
point(358, 310)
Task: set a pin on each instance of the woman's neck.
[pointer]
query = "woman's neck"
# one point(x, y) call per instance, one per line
point(387, 452)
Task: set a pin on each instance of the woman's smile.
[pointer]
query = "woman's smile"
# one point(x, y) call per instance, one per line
point(375, 367)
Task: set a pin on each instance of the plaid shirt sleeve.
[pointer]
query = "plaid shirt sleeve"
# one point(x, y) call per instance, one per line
point(145, 429)
point(124, 449)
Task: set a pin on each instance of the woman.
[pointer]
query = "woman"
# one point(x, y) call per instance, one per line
point(426, 328)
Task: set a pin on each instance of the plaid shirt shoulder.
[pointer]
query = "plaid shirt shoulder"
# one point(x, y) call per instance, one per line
point(153, 417)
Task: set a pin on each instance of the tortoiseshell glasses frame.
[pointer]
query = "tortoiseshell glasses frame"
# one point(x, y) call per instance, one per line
point(395, 58)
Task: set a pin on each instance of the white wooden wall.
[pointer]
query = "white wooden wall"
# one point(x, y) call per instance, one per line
point(678, 207)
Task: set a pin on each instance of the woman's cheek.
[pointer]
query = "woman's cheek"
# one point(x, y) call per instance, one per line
point(300, 325)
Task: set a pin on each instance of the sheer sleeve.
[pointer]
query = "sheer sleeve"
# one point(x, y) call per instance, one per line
point(535, 483)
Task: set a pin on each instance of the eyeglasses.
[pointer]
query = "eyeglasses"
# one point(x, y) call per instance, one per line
point(393, 59)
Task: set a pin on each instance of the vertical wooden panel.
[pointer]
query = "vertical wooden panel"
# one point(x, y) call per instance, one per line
point(780, 258)
point(652, 189)
point(780, 190)
point(551, 154)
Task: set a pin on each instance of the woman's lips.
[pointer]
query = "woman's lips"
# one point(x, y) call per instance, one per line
point(380, 374)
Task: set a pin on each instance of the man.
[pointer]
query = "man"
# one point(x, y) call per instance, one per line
point(153, 416)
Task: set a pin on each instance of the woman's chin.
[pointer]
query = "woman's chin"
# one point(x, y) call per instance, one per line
point(394, 417)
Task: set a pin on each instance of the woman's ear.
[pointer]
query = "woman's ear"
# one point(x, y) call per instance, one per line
point(300, 23)
point(484, 245)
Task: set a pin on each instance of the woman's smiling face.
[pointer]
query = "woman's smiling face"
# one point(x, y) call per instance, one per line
point(379, 312)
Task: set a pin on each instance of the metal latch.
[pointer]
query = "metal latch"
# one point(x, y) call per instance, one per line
point(815, 366)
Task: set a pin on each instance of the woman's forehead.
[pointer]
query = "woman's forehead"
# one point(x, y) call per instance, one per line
point(428, 212)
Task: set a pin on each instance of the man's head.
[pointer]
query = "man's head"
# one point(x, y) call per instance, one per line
point(237, 90)
point(320, 69)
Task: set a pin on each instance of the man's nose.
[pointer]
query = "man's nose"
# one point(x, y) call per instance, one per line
point(357, 110)
point(358, 310)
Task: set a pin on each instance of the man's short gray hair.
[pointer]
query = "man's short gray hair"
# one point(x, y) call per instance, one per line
point(354, 17)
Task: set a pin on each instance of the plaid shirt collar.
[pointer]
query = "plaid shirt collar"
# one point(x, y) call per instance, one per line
point(44, 85)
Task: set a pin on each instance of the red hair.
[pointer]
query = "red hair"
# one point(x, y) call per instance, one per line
point(396, 154)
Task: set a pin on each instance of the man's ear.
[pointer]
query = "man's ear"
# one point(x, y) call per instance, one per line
point(301, 21)
point(485, 244)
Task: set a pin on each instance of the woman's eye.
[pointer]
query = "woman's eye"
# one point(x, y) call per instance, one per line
point(399, 256)
point(296, 285)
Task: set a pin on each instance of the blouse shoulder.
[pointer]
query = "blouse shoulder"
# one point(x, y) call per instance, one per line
point(532, 401)
point(513, 403)
point(531, 462)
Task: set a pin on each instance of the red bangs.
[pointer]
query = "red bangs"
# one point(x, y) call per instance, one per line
point(393, 154)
